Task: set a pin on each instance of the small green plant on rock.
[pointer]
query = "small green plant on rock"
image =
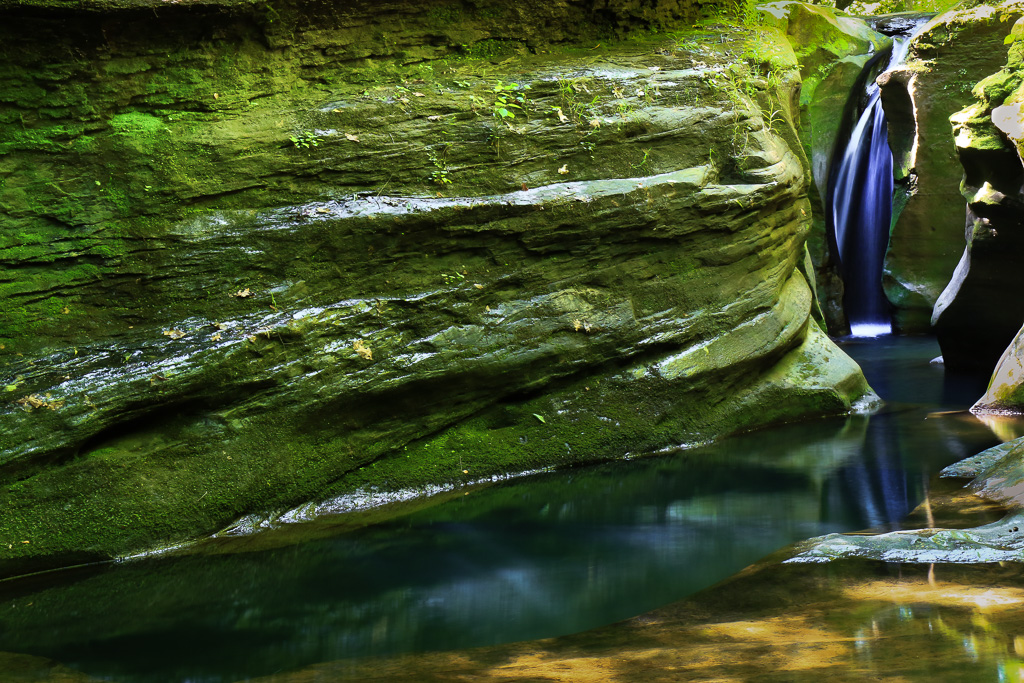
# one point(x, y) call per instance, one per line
point(508, 97)
point(305, 139)
point(440, 173)
point(453, 278)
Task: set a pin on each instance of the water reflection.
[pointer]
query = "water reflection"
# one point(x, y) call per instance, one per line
point(543, 556)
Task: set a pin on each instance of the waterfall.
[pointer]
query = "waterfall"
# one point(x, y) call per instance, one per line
point(860, 201)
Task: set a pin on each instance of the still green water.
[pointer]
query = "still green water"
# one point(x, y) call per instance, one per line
point(539, 556)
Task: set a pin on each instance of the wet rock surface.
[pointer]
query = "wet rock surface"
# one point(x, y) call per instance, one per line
point(298, 276)
point(996, 477)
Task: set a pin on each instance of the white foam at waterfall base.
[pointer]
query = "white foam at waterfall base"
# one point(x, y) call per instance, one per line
point(870, 329)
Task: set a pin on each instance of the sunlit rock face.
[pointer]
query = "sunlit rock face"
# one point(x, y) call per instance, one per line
point(248, 268)
point(979, 314)
point(955, 51)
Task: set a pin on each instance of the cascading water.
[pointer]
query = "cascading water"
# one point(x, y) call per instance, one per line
point(860, 194)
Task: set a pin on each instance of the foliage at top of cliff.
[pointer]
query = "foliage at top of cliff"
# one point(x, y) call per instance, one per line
point(116, 5)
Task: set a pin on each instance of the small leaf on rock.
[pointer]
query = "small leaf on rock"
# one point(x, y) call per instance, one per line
point(418, 94)
point(564, 169)
point(360, 347)
point(353, 138)
point(435, 117)
point(243, 293)
point(478, 286)
point(562, 118)
point(539, 418)
point(595, 123)
point(174, 334)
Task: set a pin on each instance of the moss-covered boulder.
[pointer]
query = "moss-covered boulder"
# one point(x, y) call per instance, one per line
point(978, 314)
point(252, 261)
point(945, 61)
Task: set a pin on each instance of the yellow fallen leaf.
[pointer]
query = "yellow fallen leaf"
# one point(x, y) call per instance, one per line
point(435, 117)
point(418, 94)
point(215, 337)
point(243, 293)
point(478, 286)
point(595, 123)
point(562, 118)
point(564, 169)
point(360, 347)
point(174, 334)
point(353, 138)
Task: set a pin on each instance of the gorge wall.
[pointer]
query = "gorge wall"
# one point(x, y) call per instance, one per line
point(258, 256)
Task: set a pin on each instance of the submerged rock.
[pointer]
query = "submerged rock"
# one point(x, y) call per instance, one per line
point(997, 474)
point(256, 273)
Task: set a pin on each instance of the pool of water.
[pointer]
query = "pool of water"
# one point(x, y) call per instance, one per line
point(539, 556)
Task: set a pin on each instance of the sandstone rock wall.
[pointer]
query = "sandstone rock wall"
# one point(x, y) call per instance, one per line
point(955, 51)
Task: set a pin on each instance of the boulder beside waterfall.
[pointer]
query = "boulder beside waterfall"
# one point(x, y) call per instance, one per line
point(953, 52)
point(979, 312)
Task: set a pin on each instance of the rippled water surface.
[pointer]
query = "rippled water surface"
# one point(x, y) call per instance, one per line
point(539, 556)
